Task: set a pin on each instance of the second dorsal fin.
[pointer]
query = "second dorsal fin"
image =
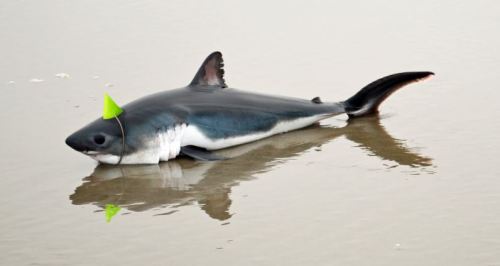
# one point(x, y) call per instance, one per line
point(211, 72)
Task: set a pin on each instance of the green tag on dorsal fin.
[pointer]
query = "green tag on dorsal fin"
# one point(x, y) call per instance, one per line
point(111, 109)
point(111, 210)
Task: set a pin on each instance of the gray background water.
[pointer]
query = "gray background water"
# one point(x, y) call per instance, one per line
point(420, 186)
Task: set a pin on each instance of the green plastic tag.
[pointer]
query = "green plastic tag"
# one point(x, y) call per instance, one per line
point(111, 210)
point(111, 109)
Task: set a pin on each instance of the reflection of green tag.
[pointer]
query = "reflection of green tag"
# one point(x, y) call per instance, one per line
point(111, 210)
point(111, 109)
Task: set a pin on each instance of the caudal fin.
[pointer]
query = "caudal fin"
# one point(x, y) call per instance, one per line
point(368, 99)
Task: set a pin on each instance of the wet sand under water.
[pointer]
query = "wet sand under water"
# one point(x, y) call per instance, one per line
point(417, 185)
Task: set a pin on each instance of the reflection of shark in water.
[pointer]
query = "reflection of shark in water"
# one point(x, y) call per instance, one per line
point(180, 182)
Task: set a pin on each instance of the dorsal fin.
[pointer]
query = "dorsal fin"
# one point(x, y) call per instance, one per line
point(316, 100)
point(211, 72)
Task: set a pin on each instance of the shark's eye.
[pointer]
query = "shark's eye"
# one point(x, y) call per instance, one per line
point(99, 139)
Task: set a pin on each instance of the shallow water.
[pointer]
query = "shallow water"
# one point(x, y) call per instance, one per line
point(416, 186)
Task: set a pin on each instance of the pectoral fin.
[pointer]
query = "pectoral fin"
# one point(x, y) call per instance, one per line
point(200, 154)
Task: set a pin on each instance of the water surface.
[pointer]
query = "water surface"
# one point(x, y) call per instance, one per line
point(417, 185)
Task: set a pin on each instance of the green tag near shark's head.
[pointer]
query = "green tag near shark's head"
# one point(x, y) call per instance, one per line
point(111, 210)
point(111, 109)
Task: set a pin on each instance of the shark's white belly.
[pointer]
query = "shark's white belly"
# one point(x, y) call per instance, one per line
point(194, 136)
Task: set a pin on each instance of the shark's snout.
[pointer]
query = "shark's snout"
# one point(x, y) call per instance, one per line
point(82, 143)
point(95, 139)
point(76, 143)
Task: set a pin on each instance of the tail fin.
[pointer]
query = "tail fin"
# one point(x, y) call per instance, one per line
point(368, 99)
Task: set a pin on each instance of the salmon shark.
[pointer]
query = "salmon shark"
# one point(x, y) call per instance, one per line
point(207, 115)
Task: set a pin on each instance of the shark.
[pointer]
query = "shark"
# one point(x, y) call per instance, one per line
point(207, 115)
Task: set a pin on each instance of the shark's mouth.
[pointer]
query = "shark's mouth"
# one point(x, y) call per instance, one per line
point(102, 157)
point(90, 153)
point(106, 158)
